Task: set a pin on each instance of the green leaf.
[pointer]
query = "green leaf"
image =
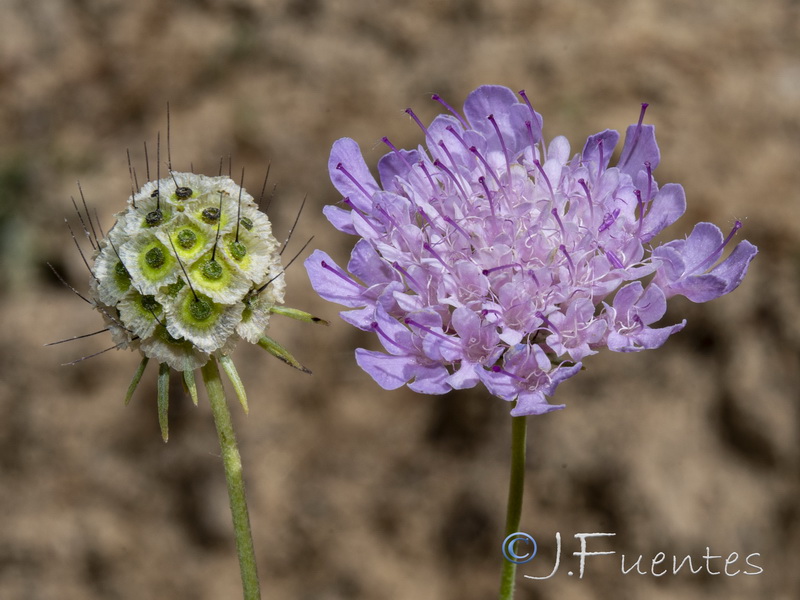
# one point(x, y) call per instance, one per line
point(274, 348)
point(298, 315)
point(233, 375)
point(190, 385)
point(137, 377)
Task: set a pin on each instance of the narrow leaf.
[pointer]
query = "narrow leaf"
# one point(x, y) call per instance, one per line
point(298, 315)
point(163, 399)
point(190, 385)
point(274, 348)
point(233, 375)
point(137, 377)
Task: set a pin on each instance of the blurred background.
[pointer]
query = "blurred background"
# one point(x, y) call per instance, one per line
point(356, 492)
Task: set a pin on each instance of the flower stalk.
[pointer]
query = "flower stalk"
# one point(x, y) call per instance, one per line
point(233, 474)
point(516, 486)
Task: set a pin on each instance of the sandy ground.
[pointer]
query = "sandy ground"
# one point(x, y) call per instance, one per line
point(356, 492)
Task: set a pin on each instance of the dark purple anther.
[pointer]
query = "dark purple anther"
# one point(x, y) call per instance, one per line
point(411, 114)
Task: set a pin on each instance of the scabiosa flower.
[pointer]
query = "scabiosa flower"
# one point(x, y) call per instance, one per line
point(189, 269)
point(489, 256)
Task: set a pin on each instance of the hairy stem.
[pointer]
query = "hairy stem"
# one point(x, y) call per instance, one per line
point(233, 475)
point(514, 510)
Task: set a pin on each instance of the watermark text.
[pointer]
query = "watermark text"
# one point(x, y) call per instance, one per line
point(521, 548)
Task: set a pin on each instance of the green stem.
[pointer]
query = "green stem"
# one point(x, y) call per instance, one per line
point(514, 511)
point(233, 474)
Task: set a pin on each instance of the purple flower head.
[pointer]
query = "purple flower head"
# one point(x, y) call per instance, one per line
point(489, 256)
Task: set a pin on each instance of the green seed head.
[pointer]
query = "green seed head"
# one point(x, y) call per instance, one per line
point(175, 270)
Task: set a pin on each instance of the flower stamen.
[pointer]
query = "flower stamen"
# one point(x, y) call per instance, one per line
point(491, 119)
point(457, 115)
point(340, 167)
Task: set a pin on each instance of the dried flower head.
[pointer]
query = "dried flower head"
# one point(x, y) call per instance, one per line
point(491, 257)
point(189, 268)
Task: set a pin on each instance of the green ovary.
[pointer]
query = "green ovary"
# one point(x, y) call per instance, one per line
point(212, 270)
point(121, 277)
point(149, 304)
point(189, 240)
point(162, 333)
point(237, 250)
point(200, 312)
point(200, 309)
point(186, 239)
point(155, 262)
point(154, 258)
point(211, 274)
point(174, 288)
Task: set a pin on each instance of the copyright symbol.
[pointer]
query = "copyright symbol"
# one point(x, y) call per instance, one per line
point(513, 554)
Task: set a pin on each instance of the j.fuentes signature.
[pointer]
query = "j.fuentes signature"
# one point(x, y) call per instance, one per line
point(521, 548)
